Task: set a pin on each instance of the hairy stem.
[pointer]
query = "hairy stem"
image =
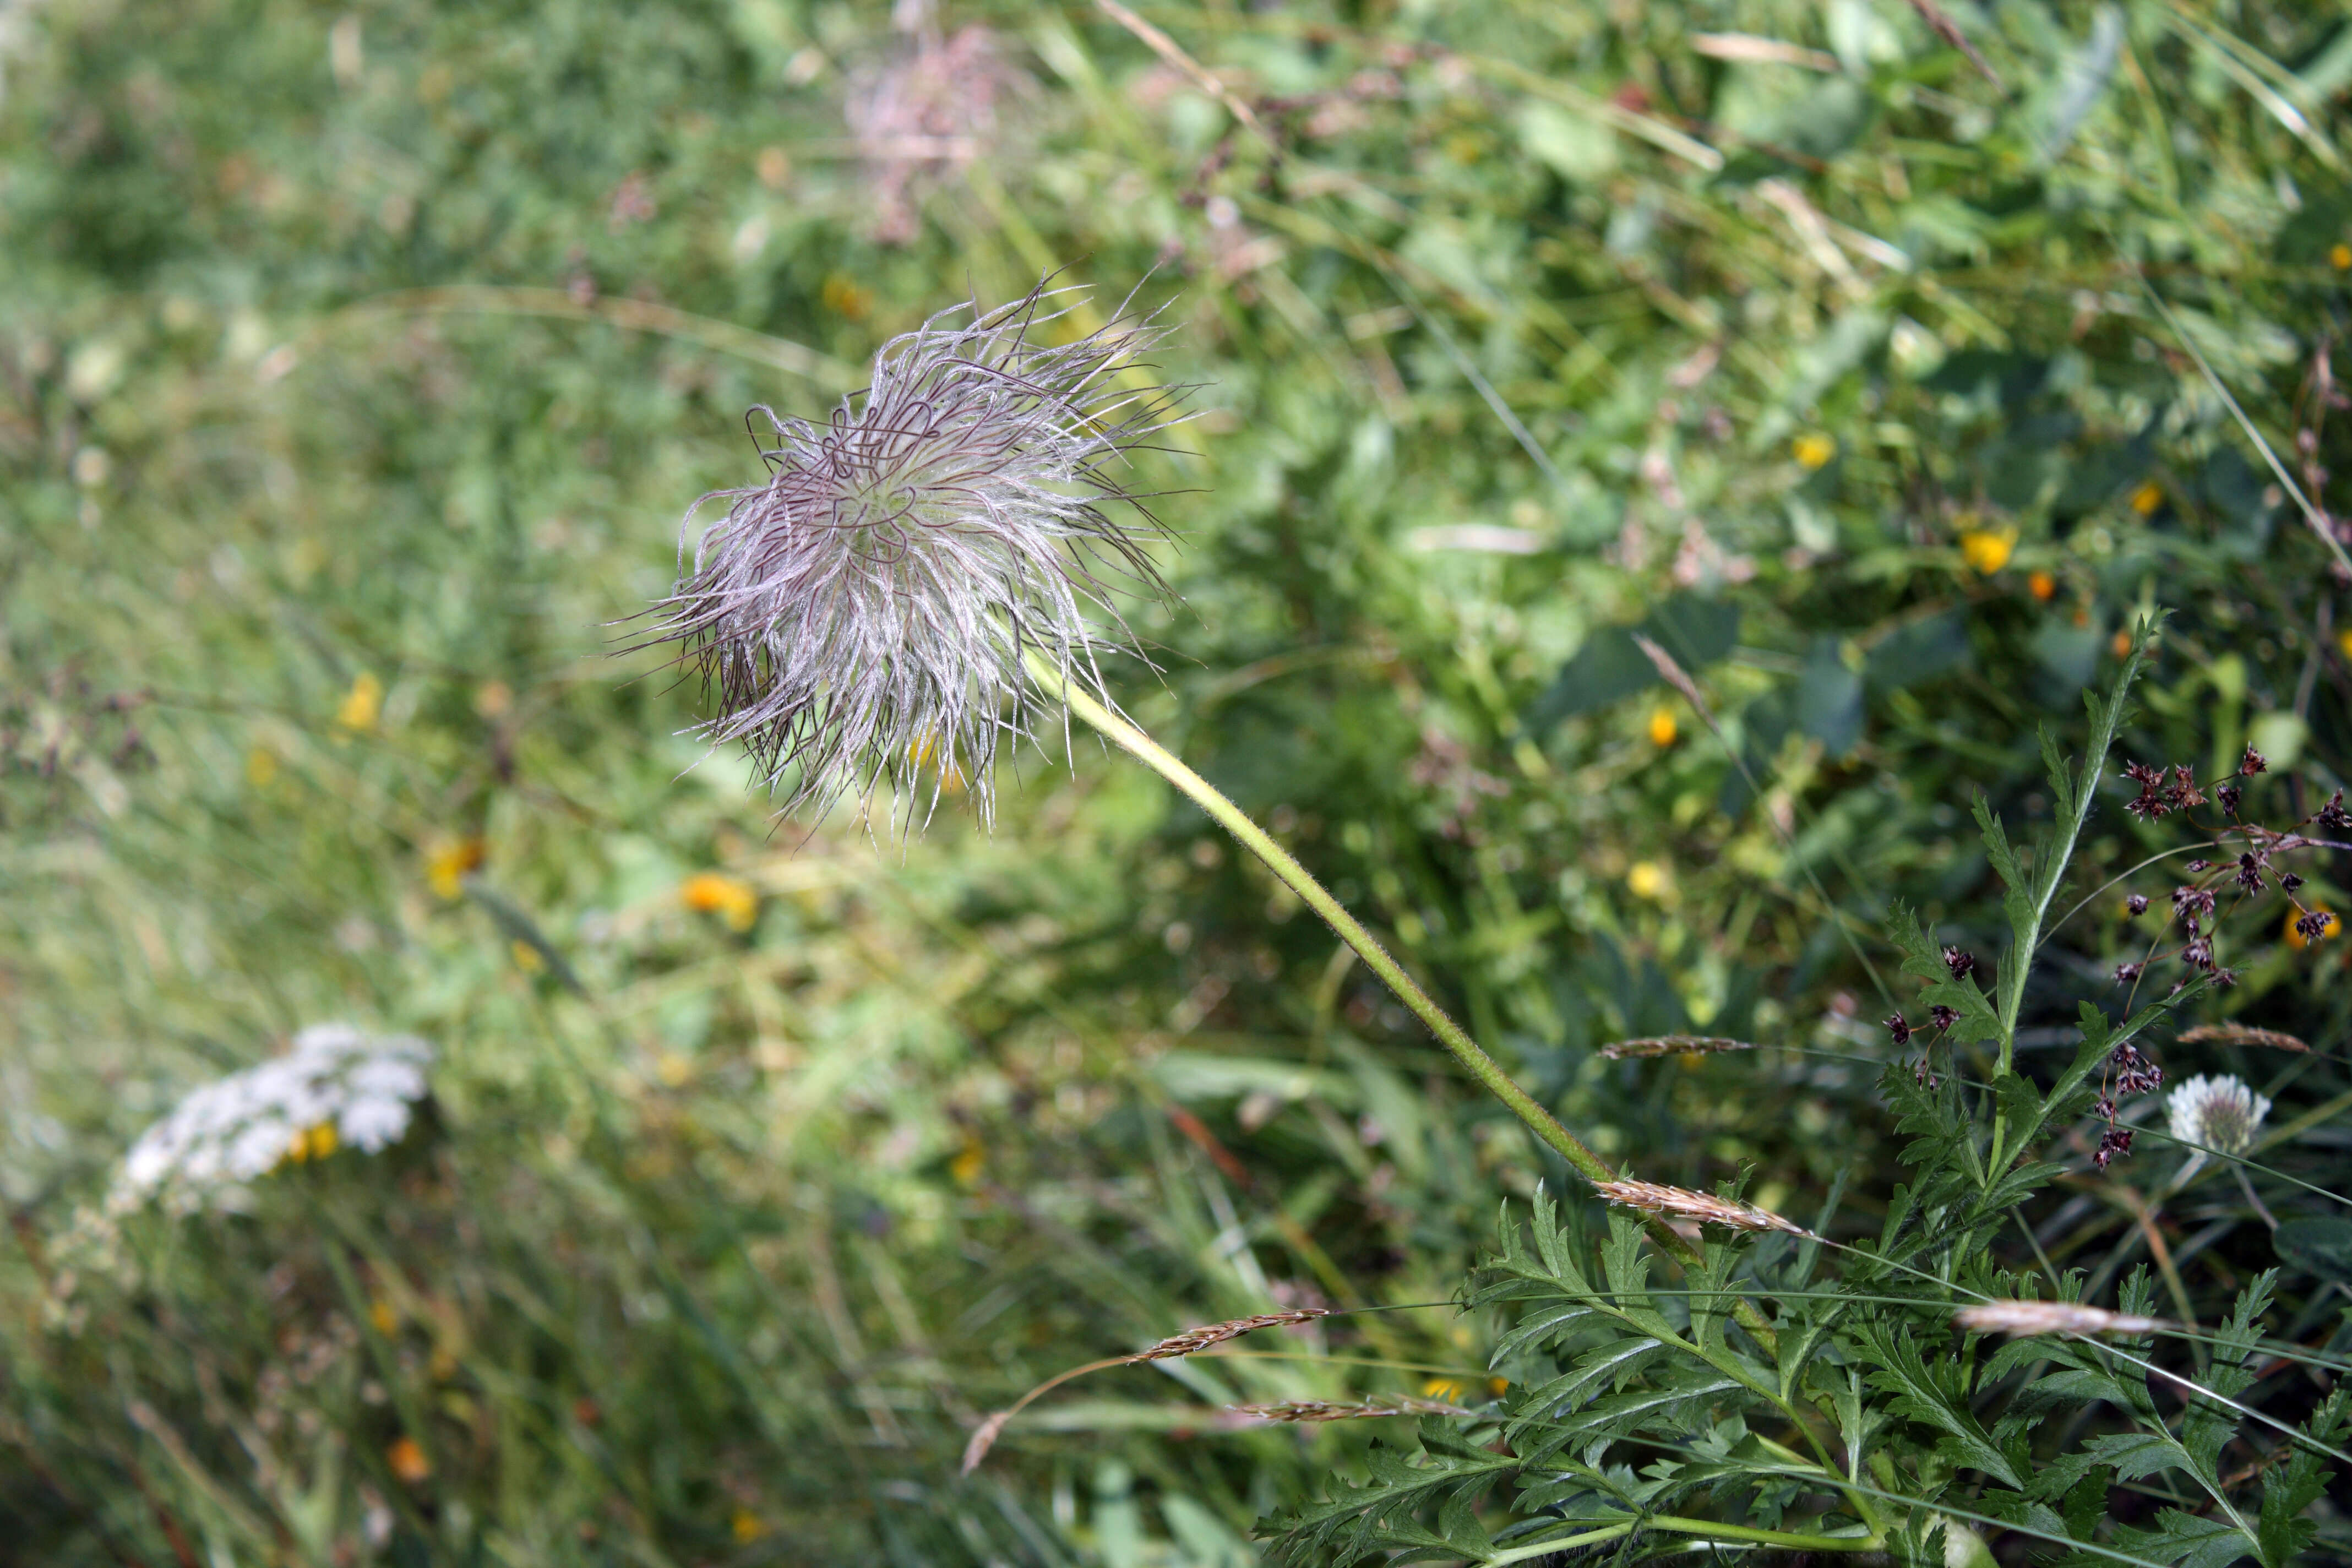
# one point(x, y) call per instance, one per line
point(1350, 929)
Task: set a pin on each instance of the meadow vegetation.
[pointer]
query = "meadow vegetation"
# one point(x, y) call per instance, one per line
point(1781, 557)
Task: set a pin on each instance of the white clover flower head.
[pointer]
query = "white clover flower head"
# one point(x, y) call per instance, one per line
point(227, 1133)
point(861, 619)
point(2220, 1112)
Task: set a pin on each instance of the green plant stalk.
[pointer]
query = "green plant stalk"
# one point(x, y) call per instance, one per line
point(2055, 856)
point(1678, 1525)
point(1350, 929)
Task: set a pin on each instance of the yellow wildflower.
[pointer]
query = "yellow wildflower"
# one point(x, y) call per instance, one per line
point(920, 754)
point(1662, 726)
point(324, 1140)
point(362, 705)
point(1497, 1386)
point(1446, 1388)
point(527, 958)
point(2339, 256)
point(2148, 498)
point(708, 892)
point(747, 1527)
point(1647, 879)
point(447, 866)
point(260, 767)
point(384, 1316)
point(1988, 549)
point(2296, 940)
point(845, 296)
point(1813, 450)
point(407, 1461)
point(967, 1164)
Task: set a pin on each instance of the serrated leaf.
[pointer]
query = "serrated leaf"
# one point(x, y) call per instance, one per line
point(1923, 1394)
point(2185, 1540)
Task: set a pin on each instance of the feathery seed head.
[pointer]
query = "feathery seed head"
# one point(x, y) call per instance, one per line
point(861, 617)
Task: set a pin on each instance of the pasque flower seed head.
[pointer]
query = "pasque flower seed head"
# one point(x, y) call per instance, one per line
point(860, 619)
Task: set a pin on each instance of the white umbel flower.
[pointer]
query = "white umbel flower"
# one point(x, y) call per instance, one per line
point(2220, 1112)
point(228, 1132)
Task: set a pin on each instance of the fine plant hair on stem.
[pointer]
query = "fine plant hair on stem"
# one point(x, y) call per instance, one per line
point(860, 619)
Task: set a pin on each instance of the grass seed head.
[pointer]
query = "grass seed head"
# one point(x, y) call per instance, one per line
point(1651, 1198)
point(2020, 1318)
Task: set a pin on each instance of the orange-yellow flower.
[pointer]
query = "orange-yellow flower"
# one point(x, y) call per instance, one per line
point(447, 866)
point(2043, 586)
point(407, 1460)
point(708, 892)
point(2339, 256)
point(2296, 940)
point(968, 1162)
point(747, 1527)
point(312, 1143)
point(1647, 879)
point(1446, 1388)
point(362, 705)
point(1813, 450)
point(1662, 727)
point(2148, 498)
point(384, 1316)
point(1988, 549)
point(841, 294)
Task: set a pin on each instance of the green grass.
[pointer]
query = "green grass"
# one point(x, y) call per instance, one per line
point(718, 1255)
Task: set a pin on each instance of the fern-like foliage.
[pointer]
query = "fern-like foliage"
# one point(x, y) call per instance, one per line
point(1853, 1414)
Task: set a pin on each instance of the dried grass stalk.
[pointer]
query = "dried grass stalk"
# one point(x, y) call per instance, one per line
point(1651, 1198)
point(1191, 1341)
point(1321, 1410)
point(2017, 1318)
point(2242, 1034)
point(1672, 1044)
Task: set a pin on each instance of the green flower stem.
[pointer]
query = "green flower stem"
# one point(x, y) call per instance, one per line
point(1300, 880)
point(1678, 1525)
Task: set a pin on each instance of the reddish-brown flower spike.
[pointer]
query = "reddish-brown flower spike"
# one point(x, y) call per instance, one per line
point(1900, 1029)
point(2252, 763)
point(862, 618)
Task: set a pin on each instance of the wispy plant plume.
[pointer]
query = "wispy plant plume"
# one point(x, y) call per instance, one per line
point(860, 619)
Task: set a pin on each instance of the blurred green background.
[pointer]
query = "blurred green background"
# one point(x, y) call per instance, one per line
point(356, 366)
